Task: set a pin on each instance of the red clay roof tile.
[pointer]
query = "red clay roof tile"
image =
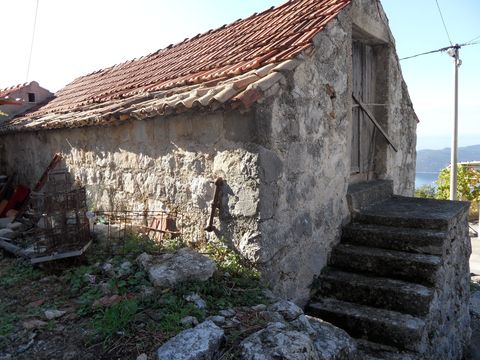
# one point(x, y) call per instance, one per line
point(227, 51)
point(210, 59)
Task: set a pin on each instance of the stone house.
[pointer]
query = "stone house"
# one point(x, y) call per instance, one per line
point(20, 98)
point(265, 103)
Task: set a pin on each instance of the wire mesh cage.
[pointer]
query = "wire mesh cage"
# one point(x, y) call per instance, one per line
point(116, 231)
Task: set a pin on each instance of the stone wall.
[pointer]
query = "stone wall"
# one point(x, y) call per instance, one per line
point(397, 116)
point(306, 136)
point(448, 325)
point(158, 164)
point(286, 162)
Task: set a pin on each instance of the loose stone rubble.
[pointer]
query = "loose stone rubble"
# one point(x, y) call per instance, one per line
point(201, 342)
point(288, 334)
point(173, 268)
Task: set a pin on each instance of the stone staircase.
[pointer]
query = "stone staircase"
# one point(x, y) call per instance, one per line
point(385, 283)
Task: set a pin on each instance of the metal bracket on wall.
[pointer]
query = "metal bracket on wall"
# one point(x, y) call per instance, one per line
point(215, 204)
point(375, 122)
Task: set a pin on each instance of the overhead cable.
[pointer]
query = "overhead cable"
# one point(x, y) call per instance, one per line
point(442, 49)
point(33, 40)
point(443, 21)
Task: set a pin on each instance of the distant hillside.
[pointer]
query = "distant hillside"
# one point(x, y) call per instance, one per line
point(435, 160)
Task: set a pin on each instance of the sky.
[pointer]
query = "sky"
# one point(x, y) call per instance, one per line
point(74, 38)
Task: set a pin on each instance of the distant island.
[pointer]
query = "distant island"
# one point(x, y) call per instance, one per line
point(432, 161)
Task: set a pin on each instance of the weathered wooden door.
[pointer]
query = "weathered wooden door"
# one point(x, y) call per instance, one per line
point(363, 130)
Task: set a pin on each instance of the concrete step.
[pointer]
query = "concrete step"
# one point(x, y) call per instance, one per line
point(376, 292)
point(399, 211)
point(378, 325)
point(418, 268)
point(368, 350)
point(424, 241)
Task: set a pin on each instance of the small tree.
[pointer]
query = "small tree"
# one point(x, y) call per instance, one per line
point(468, 184)
point(425, 191)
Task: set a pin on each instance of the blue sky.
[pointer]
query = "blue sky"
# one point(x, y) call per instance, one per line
point(76, 37)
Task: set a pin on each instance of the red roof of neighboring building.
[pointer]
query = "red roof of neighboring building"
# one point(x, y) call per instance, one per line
point(229, 58)
point(5, 92)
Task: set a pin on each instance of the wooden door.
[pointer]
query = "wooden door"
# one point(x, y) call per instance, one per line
point(363, 130)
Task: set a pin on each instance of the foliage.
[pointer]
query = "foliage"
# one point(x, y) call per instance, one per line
point(18, 273)
point(425, 191)
point(115, 318)
point(7, 320)
point(468, 184)
point(76, 277)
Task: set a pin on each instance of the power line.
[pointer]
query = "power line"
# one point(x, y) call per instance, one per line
point(33, 39)
point(443, 21)
point(470, 42)
point(426, 53)
point(443, 49)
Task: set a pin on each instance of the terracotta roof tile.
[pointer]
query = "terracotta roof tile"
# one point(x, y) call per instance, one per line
point(11, 89)
point(225, 61)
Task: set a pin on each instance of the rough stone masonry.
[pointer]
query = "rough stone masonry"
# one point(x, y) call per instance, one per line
point(286, 160)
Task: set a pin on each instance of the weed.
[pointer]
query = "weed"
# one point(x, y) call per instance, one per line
point(172, 308)
point(19, 273)
point(76, 277)
point(115, 318)
point(86, 300)
point(7, 320)
point(135, 244)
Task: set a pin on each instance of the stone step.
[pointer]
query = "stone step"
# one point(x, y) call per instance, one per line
point(377, 292)
point(368, 350)
point(378, 325)
point(364, 194)
point(418, 268)
point(424, 241)
point(399, 211)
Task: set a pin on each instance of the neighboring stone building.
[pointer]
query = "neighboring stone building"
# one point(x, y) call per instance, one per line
point(20, 98)
point(266, 103)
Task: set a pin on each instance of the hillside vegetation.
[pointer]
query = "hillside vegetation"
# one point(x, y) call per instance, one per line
point(436, 160)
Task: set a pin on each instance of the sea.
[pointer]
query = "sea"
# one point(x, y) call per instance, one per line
point(423, 178)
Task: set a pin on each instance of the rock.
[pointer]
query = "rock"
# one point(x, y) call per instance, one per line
point(91, 279)
point(125, 268)
point(142, 357)
point(330, 341)
point(217, 319)
point(108, 269)
point(276, 341)
point(475, 303)
point(200, 343)
point(36, 303)
point(197, 301)
point(70, 355)
point(143, 260)
point(259, 307)
point(227, 313)
point(53, 314)
point(183, 265)
point(189, 321)
point(107, 301)
point(33, 324)
point(287, 309)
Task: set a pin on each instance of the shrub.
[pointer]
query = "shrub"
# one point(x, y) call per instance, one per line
point(426, 191)
point(468, 184)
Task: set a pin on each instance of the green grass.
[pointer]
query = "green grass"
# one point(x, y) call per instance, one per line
point(115, 318)
point(19, 273)
point(7, 320)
